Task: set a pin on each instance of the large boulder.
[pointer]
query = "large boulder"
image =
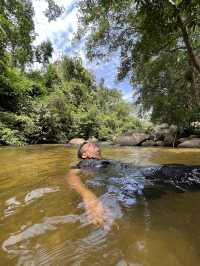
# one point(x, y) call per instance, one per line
point(193, 137)
point(181, 140)
point(160, 143)
point(148, 143)
point(190, 143)
point(135, 139)
point(76, 141)
point(93, 140)
point(165, 133)
point(170, 140)
point(105, 143)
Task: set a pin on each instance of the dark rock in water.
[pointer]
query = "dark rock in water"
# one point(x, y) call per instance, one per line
point(134, 139)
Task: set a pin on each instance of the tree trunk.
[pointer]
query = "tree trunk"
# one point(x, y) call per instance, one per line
point(188, 44)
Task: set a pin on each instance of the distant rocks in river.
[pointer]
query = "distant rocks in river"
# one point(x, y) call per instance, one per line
point(160, 135)
point(79, 141)
point(134, 139)
point(152, 143)
point(166, 133)
point(76, 141)
point(190, 143)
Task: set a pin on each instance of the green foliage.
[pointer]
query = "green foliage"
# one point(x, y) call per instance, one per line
point(8, 137)
point(158, 42)
point(17, 33)
point(72, 70)
point(17, 30)
point(58, 103)
point(54, 11)
point(44, 52)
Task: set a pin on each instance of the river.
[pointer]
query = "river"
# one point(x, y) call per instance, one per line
point(42, 220)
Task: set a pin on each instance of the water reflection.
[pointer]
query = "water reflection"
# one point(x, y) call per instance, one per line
point(12, 204)
point(39, 193)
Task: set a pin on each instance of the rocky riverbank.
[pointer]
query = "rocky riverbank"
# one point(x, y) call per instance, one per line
point(161, 135)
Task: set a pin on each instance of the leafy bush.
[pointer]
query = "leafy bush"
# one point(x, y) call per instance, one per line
point(59, 103)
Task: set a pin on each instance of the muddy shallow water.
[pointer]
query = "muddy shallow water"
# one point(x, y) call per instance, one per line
point(42, 221)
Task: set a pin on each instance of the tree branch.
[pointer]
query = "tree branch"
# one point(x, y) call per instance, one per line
point(188, 44)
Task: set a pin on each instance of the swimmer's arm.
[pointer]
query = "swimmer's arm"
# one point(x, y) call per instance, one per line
point(94, 208)
point(76, 183)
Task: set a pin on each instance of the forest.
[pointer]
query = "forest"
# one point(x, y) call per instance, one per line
point(58, 101)
point(158, 43)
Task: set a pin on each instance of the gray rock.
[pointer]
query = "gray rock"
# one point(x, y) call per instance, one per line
point(192, 143)
point(165, 133)
point(160, 143)
point(76, 141)
point(181, 140)
point(169, 140)
point(149, 143)
point(163, 126)
point(105, 143)
point(132, 140)
point(193, 137)
point(93, 140)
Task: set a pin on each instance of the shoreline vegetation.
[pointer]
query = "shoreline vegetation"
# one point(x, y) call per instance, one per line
point(61, 100)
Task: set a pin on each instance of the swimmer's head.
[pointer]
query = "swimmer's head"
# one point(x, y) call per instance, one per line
point(89, 151)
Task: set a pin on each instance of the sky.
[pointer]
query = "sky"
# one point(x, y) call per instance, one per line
point(61, 32)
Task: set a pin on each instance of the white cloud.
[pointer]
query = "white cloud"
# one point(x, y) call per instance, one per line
point(61, 32)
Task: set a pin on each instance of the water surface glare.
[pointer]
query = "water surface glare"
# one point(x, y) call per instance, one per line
point(42, 220)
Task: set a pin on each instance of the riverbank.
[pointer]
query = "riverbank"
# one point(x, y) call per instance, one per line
point(163, 135)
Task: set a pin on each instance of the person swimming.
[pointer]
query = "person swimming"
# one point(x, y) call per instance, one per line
point(128, 180)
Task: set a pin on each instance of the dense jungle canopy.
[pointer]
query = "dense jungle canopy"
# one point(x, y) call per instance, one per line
point(159, 44)
point(59, 101)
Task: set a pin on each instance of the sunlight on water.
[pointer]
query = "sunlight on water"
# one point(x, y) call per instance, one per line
point(43, 221)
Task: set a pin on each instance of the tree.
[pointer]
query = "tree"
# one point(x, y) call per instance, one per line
point(44, 52)
point(143, 32)
point(17, 31)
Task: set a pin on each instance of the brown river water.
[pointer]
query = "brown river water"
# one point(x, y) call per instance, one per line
point(42, 220)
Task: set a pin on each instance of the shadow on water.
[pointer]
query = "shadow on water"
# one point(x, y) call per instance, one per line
point(43, 221)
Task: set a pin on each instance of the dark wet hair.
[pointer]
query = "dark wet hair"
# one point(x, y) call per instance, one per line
point(79, 153)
